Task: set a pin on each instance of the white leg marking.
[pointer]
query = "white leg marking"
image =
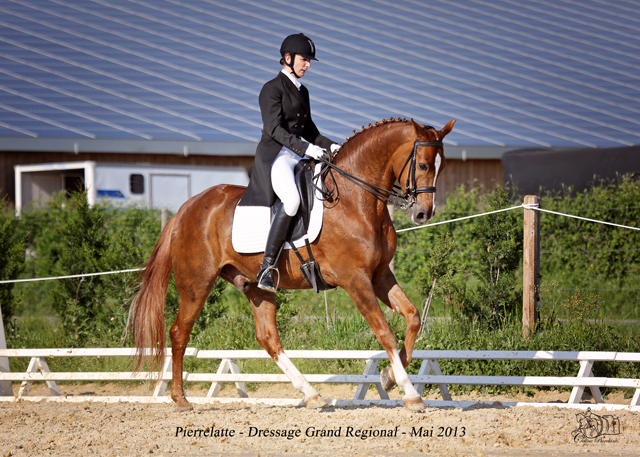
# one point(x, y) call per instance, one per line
point(402, 378)
point(298, 381)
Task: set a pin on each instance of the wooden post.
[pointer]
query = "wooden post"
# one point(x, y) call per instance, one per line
point(530, 266)
point(163, 218)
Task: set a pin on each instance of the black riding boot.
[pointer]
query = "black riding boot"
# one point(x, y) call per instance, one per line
point(277, 236)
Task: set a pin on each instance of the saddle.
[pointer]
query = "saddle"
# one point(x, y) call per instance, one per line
point(303, 174)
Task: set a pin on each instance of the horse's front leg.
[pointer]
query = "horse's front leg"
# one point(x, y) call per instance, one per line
point(390, 293)
point(362, 293)
point(264, 312)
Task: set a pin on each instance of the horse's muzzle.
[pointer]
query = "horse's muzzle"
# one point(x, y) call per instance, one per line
point(421, 214)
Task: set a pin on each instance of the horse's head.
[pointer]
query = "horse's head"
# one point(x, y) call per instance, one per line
point(429, 163)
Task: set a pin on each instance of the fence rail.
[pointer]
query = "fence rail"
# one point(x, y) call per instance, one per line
point(229, 372)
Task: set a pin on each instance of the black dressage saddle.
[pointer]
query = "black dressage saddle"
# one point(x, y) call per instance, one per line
point(310, 269)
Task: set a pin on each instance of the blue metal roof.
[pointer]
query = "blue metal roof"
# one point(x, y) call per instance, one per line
point(513, 73)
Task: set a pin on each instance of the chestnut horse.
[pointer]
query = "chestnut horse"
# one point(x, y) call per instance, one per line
point(355, 246)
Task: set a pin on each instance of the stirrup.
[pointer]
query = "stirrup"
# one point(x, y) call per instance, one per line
point(261, 276)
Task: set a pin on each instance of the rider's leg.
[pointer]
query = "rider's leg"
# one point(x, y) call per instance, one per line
point(283, 181)
point(277, 235)
point(284, 186)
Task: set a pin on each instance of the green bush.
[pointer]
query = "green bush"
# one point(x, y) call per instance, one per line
point(439, 275)
point(499, 291)
point(582, 256)
point(576, 255)
point(80, 302)
point(12, 245)
point(68, 237)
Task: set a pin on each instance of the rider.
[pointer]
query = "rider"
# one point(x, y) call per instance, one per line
point(286, 115)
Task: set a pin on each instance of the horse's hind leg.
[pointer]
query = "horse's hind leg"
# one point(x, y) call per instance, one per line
point(264, 312)
point(388, 290)
point(362, 293)
point(194, 288)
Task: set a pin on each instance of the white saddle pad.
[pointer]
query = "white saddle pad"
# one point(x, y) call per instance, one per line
point(251, 226)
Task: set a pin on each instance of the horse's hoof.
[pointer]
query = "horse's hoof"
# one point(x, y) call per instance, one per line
point(414, 403)
point(183, 405)
point(387, 379)
point(315, 401)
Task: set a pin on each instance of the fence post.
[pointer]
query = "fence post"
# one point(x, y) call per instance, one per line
point(530, 266)
point(163, 218)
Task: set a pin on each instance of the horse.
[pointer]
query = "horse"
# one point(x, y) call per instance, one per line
point(354, 249)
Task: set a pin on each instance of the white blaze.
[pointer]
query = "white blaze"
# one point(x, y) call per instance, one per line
point(435, 178)
point(438, 163)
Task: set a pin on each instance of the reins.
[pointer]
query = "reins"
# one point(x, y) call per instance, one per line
point(408, 197)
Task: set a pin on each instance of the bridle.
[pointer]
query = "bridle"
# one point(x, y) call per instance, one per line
point(408, 198)
point(412, 191)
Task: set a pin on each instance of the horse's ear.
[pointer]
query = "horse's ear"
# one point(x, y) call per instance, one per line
point(418, 128)
point(447, 129)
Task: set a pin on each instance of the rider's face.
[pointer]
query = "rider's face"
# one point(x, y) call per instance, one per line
point(300, 64)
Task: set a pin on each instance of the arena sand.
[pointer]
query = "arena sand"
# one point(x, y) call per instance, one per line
point(124, 429)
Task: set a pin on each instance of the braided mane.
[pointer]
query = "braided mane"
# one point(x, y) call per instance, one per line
point(384, 121)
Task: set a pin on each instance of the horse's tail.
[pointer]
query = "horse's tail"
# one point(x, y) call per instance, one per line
point(146, 316)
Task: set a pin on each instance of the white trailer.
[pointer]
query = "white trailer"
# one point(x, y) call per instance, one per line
point(155, 186)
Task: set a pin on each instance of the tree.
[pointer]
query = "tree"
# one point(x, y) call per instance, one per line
point(437, 275)
point(79, 302)
point(499, 293)
point(12, 252)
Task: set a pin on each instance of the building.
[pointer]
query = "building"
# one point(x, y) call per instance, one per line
point(176, 83)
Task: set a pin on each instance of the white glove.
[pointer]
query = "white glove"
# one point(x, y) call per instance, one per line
point(335, 147)
point(315, 152)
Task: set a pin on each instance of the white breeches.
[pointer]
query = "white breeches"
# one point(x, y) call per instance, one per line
point(283, 182)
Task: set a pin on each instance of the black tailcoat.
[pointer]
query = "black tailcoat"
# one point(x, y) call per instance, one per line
point(286, 116)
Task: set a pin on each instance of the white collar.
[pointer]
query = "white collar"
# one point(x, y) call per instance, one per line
point(293, 79)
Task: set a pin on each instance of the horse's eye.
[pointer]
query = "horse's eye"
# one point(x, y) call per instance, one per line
point(423, 166)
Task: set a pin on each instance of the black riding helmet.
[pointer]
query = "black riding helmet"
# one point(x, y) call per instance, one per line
point(298, 43)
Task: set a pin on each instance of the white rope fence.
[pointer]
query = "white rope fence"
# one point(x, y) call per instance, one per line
point(578, 217)
point(71, 276)
point(525, 206)
point(458, 219)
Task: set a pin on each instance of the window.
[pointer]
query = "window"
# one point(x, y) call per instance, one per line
point(136, 184)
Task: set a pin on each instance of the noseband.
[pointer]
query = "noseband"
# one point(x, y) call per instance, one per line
point(409, 197)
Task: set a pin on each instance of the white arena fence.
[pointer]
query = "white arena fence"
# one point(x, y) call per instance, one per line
point(228, 372)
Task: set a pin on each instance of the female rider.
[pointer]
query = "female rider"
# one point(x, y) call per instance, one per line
point(286, 115)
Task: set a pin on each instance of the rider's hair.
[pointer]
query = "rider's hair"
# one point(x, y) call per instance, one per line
point(283, 60)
